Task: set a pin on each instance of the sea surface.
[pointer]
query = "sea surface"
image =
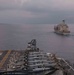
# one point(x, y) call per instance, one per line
point(16, 37)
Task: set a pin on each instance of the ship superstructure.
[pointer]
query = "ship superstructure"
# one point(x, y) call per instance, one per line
point(38, 60)
point(62, 28)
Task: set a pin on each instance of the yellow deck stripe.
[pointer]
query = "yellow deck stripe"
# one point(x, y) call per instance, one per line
point(4, 59)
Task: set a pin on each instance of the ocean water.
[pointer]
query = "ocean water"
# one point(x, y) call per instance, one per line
point(16, 37)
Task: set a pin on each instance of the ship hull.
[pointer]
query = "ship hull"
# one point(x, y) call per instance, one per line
point(62, 33)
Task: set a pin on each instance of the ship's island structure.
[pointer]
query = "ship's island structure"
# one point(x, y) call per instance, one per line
point(33, 61)
point(62, 28)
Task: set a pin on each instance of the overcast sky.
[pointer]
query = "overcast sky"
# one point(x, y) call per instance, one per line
point(36, 11)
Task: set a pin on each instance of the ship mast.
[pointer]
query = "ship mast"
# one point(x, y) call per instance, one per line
point(63, 21)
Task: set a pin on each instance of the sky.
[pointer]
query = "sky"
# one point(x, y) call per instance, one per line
point(36, 11)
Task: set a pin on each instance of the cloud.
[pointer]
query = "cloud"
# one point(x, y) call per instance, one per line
point(36, 11)
point(41, 4)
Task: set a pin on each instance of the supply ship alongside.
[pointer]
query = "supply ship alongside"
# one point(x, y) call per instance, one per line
point(62, 28)
point(34, 61)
